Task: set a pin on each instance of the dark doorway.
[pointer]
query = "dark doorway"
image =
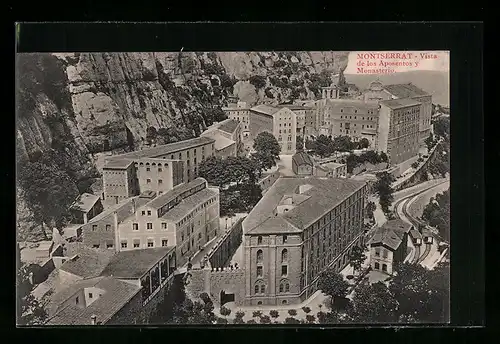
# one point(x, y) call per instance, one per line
point(225, 298)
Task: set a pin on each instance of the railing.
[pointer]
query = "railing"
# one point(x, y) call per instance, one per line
point(160, 287)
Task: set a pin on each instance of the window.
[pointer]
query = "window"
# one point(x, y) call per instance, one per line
point(285, 239)
point(148, 169)
point(262, 288)
point(259, 303)
point(281, 287)
point(124, 244)
point(385, 253)
point(384, 267)
point(148, 181)
point(259, 271)
point(259, 240)
point(149, 226)
point(95, 246)
point(160, 181)
point(109, 245)
point(90, 295)
point(77, 300)
point(287, 287)
point(163, 225)
point(137, 243)
point(284, 255)
point(143, 213)
point(94, 228)
point(149, 212)
point(135, 226)
point(151, 243)
point(256, 289)
point(283, 302)
point(377, 252)
point(284, 270)
point(108, 227)
point(377, 266)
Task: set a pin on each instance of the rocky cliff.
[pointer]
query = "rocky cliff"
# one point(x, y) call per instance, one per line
point(82, 104)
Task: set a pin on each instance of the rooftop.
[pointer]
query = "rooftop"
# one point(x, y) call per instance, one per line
point(265, 109)
point(228, 125)
point(188, 204)
point(122, 209)
point(135, 263)
point(391, 233)
point(116, 294)
point(400, 103)
point(85, 202)
point(164, 149)
point(118, 163)
point(296, 107)
point(324, 195)
point(405, 90)
point(302, 158)
point(221, 141)
point(88, 262)
point(331, 165)
point(356, 103)
point(165, 198)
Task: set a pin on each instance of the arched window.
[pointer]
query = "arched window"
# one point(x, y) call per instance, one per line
point(147, 164)
point(377, 266)
point(287, 287)
point(284, 255)
point(259, 256)
point(259, 240)
point(384, 267)
point(159, 164)
point(283, 302)
point(256, 289)
point(281, 287)
point(141, 164)
point(153, 164)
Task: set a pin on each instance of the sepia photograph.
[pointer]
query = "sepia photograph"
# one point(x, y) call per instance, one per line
point(207, 188)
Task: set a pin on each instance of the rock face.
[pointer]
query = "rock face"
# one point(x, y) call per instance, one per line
point(87, 103)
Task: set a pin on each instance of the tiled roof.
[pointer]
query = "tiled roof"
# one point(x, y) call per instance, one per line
point(118, 163)
point(265, 109)
point(116, 295)
point(163, 149)
point(188, 204)
point(135, 263)
point(391, 233)
point(400, 103)
point(165, 198)
point(325, 194)
point(296, 107)
point(221, 141)
point(331, 165)
point(123, 209)
point(274, 224)
point(88, 262)
point(355, 103)
point(405, 90)
point(302, 158)
point(228, 125)
point(85, 202)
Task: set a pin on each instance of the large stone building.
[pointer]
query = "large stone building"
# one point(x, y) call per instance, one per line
point(357, 119)
point(389, 245)
point(124, 289)
point(156, 169)
point(398, 131)
point(378, 92)
point(227, 135)
point(300, 227)
point(239, 111)
point(281, 122)
point(186, 217)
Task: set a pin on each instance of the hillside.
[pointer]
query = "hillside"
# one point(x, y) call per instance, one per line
point(72, 107)
point(434, 82)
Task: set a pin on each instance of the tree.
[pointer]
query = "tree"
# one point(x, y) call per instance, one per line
point(333, 284)
point(364, 143)
point(323, 146)
point(384, 190)
point(257, 81)
point(311, 319)
point(151, 134)
point(225, 311)
point(356, 258)
point(267, 150)
point(292, 312)
point(343, 144)
point(274, 314)
point(300, 143)
point(442, 127)
point(257, 314)
point(370, 209)
point(373, 303)
point(291, 321)
point(437, 214)
point(306, 310)
point(309, 144)
point(430, 142)
point(265, 319)
point(29, 310)
point(221, 320)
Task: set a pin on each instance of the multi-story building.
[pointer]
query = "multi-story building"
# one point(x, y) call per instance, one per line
point(304, 114)
point(240, 112)
point(85, 207)
point(157, 169)
point(281, 122)
point(186, 217)
point(357, 119)
point(388, 245)
point(227, 136)
point(378, 92)
point(398, 129)
point(300, 227)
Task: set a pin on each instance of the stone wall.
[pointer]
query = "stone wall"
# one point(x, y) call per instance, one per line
point(266, 182)
point(229, 281)
point(226, 246)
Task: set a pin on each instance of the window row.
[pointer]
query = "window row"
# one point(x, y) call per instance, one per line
point(284, 239)
point(284, 256)
point(136, 243)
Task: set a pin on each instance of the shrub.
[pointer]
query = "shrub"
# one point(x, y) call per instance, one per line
point(414, 165)
point(221, 321)
point(310, 318)
point(291, 321)
point(205, 298)
point(306, 310)
point(238, 321)
point(251, 321)
point(292, 312)
point(225, 311)
point(274, 313)
point(239, 314)
point(257, 314)
point(257, 81)
point(265, 319)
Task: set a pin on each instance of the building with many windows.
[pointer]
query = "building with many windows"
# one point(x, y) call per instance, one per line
point(239, 111)
point(156, 169)
point(186, 217)
point(300, 227)
point(281, 122)
point(389, 245)
point(398, 132)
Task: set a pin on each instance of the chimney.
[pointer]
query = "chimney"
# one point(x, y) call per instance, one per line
point(93, 319)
